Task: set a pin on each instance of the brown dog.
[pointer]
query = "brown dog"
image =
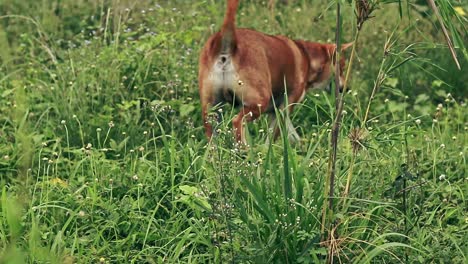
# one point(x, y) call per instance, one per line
point(253, 70)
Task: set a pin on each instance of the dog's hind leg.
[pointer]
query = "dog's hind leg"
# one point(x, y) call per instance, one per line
point(250, 113)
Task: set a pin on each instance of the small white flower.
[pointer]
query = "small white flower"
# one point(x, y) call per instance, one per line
point(418, 121)
point(81, 213)
point(386, 100)
point(442, 145)
point(135, 177)
point(63, 122)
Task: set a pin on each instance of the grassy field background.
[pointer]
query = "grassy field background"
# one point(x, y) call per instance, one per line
point(104, 160)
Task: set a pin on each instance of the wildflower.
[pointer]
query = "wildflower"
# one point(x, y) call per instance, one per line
point(145, 132)
point(418, 121)
point(63, 122)
point(454, 138)
point(386, 100)
point(81, 213)
point(135, 177)
point(442, 146)
point(141, 149)
point(111, 124)
point(6, 157)
point(98, 129)
point(435, 121)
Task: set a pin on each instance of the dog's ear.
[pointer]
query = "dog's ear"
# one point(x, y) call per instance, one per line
point(346, 46)
point(332, 47)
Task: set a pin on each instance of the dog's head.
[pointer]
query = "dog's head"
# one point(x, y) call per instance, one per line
point(322, 59)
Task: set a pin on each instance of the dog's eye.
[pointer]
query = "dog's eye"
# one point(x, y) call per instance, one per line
point(240, 82)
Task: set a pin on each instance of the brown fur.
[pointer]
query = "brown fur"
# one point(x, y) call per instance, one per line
point(255, 69)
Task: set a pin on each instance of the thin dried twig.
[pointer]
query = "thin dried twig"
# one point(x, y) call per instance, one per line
point(434, 8)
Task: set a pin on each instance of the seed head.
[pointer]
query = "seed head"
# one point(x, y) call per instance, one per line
point(357, 136)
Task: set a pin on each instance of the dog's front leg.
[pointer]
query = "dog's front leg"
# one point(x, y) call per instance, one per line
point(293, 136)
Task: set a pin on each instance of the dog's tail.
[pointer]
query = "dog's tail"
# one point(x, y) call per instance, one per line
point(228, 34)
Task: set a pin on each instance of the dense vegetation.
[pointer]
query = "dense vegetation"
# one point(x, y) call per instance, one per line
point(103, 156)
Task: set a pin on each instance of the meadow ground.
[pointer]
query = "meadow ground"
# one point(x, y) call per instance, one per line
point(104, 160)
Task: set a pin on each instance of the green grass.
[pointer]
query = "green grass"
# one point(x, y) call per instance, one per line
point(104, 159)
